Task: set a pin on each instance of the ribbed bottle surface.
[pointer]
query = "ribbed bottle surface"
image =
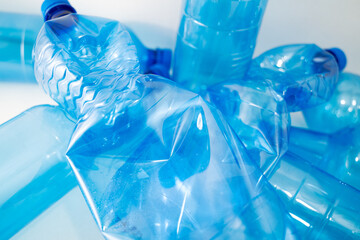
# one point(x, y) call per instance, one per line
point(216, 41)
point(323, 206)
point(76, 60)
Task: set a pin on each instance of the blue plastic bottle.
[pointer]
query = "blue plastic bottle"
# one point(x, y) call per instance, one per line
point(342, 110)
point(323, 206)
point(216, 41)
point(17, 36)
point(34, 172)
point(153, 160)
point(304, 74)
point(18, 33)
point(338, 153)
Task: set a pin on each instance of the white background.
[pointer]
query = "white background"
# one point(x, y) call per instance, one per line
point(327, 23)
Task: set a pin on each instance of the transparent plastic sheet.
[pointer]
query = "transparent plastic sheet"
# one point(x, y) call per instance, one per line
point(303, 74)
point(153, 160)
point(342, 110)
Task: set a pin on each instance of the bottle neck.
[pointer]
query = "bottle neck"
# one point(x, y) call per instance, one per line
point(52, 9)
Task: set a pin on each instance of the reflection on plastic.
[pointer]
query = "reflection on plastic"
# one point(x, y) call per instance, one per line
point(323, 207)
point(342, 110)
point(153, 160)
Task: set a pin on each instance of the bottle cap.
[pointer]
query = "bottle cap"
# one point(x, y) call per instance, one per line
point(56, 8)
point(339, 56)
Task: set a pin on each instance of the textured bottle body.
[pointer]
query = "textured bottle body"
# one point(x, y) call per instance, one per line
point(304, 74)
point(149, 155)
point(33, 167)
point(77, 57)
point(342, 110)
point(324, 207)
point(337, 154)
point(216, 41)
point(17, 35)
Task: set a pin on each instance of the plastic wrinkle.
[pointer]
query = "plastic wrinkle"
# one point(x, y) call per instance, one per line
point(153, 160)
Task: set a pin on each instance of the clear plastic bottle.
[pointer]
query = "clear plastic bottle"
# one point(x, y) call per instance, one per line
point(323, 206)
point(342, 110)
point(337, 154)
point(18, 34)
point(34, 172)
point(153, 160)
point(216, 41)
point(304, 74)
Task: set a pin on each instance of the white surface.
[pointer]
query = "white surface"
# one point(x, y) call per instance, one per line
point(325, 22)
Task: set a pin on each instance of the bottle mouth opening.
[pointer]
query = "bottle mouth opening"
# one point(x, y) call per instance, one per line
point(58, 11)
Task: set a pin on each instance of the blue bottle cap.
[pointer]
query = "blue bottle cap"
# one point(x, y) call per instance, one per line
point(56, 8)
point(339, 56)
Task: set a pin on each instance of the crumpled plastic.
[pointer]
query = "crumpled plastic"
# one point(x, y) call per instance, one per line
point(258, 115)
point(153, 160)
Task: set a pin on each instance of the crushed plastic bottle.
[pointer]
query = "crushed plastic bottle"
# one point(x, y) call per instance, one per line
point(304, 74)
point(337, 154)
point(34, 172)
point(216, 41)
point(257, 114)
point(323, 206)
point(153, 160)
point(18, 34)
point(342, 110)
